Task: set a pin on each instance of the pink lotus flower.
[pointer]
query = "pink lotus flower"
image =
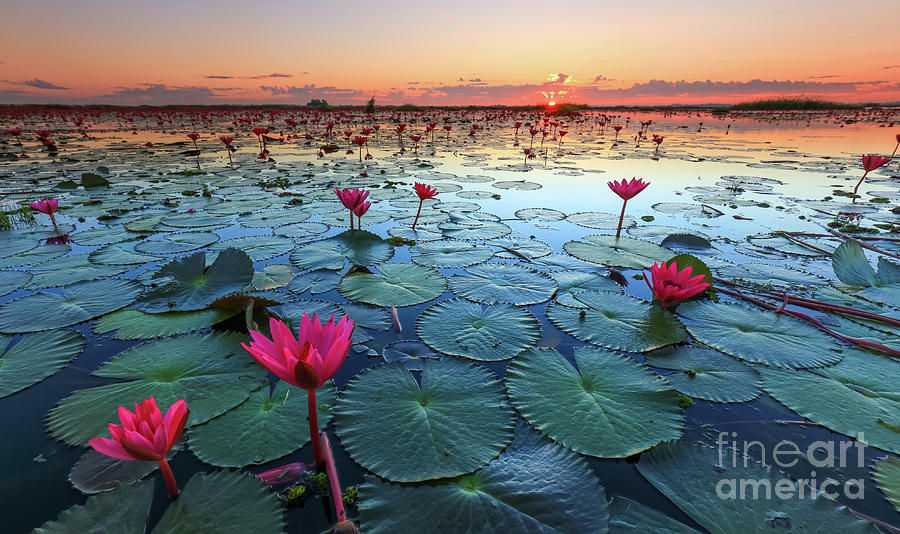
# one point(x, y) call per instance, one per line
point(425, 192)
point(361, 210)
point(193, 137)
point(146, 435)
point(308, 361)
point(870, 162)
point(670, 285)
point(351, 198)
point(48, 206)
point(626, 190)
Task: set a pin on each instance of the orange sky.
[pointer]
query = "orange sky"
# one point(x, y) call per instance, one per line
point(461, 52)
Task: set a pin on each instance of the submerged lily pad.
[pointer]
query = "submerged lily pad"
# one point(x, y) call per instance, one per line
point(618, 252)
point(488, 333)
point(611, 406)
point(79, 302)
point(395, 284)
point(617, 321)
point(759, 336)
point(456, 421)
point(264, 427)
point(493, 283)
point(502, 497)
point(211, 372)
point(34, 357)
point(706, 374)
point(358, 246)
point(273, 276)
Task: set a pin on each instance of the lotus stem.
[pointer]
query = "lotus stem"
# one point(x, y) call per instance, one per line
point(417, 214)
point(337, 496)
point(397, 325)
point(803, 243)
point(824, 306)
point(351, 219)
point(171, 486)
point(313, 418)
point(621, 218)
point(863, 245)
point(859, 183)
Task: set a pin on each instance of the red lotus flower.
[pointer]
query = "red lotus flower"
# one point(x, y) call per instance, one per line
point(146, 435)
point(416, 138)
point(226, 140)
point(626, 190)
point(669, 285)
point(48, 206)
point(260, 131)
point(425, 192)
point(870, 162)
point(361, 210)
point(307, 361)
point(351, 198)
point(42, 134)
point(193, 136)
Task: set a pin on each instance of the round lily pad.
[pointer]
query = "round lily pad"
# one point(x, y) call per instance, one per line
point(409, 353)
point(450, 253)
point(540, 214)
point(502, 497)
point(168, 369)
point(455, 422)
point(759, 336)
point(600, 221)
point(358, 246)
point(258, 247)
point(611, 406)
point(12, 280)
point(191, 285)
point(887, 476)
point(34, 256)
point(706, 374)
point(95, 472)
point(618, 252)
point(79, 302)
point(488, 333)
point(617, 321)
point(123, 510)
point(273, 276)
point(525, 248)
point(34, 357)
point(493, 283)
point(264, 427)
point(135, 324)
point(318, 281)
point(176, 243)
point(395, 284)
point(71, 270)
point(118, 255)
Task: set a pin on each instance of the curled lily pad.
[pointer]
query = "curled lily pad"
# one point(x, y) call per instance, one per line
point(499, 498)
point(456, 421)
point(358, 246)
point(395, 284)
point(34, 357)
point(79, 302)
point(493, 283)
point(211, 372)
point(192, 286)
point(759, 336)
point(262, 428)
point(706, 374)
point(409, 353)
point(489, 333)
point(617, 252)
point(617, 321)
point(610, 406)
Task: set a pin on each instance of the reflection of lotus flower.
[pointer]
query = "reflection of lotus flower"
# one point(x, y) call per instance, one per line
point(146, 435)
point(425, 192)
point(670, 285)
point(47, 206)
point(626, 190)
point(870, 162)
point(308, 361)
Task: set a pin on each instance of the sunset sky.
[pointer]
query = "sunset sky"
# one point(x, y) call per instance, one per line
point(440, 53)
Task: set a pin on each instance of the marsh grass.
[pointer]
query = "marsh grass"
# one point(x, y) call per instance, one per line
point(789, 104)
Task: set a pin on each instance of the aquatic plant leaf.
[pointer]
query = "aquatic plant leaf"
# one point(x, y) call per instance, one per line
point(610, 406)
point(258, 247)
point(193, 286)
point(409, 353)
point(706, 374)
point(493, 283)
point(12, 280)
point(71, 270)
point(502, 497)
point(34, 256)
point(629, 517)
point(617, 252)
point(118, 255)
point(211, 372)
point(887, 476)
point(617, 321)
point(135, 324)
point(455, 422)
point(123, 510)
point(468, 329)
point(395, 284)
point(34, 357)
point(358, 246)
point(759, 336)
point(450, 253)
point(78, 302)
point(318, 281)
point(95, 472)
point(273, 276)
point(262, 428)
point(177, 243)
point(851, 266)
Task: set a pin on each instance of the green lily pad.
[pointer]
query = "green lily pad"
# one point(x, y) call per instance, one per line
point(689, 474)
point(767, 274)
point(103, 235)
point(759, 336)
point(176, 243)
point(258, 247)
point(629, 517)
point(455, 422)
point(450, 253)
point(123, 511)
point(358, 246)
point(706, 374)
point(600, 221)
point(409, 353)
point(502, 497)
point(34, 357)
point(272, 218)
point(211, 372)
point(195, 220)
point(34, 256)
point(511, 248)
point(223, 501)
point(483, 230)
point(273, 276)
point(618, 252)
point(79, 302)
point(887, 476)
point(858, 395)
point(617, 321)
point(12, 280)
point(576, 281)
point(395, 284)
point(264, 427)
point(71, 270)
point(468, 329)
point(118, 255)
point(493, 283)
point(193, 286)
point(135, 324)
point(95, 472)
point(318, 281)
point(611, 406)
point(366, 316)
point(540, 214)
point(852, 268)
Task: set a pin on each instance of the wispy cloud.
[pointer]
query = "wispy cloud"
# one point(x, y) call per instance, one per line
point(218, 77)
point(162, 94)
point(273, 75)
point(38, 83)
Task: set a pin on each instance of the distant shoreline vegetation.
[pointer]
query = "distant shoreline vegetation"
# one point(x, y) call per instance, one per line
point(794, 104)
